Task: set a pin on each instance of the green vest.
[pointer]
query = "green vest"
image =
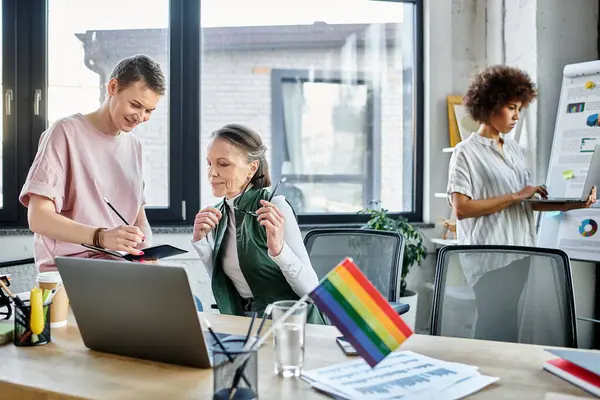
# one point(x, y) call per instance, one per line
point(263, 275)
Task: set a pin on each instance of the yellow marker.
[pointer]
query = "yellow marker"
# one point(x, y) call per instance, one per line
point(590, 85)
point(36, 320)
point(568, 174)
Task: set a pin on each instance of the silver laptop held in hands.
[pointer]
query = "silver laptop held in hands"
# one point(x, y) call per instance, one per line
point(592, 179)
point(139, 310)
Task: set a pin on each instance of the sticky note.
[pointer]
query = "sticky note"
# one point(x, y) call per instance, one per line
point(568, 174)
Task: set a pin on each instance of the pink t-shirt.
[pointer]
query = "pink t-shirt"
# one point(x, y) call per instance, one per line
point(77, 166)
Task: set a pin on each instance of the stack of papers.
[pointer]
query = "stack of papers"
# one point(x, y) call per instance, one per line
point(402, 375)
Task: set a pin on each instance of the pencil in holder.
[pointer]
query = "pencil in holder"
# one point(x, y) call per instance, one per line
point(23, 334)
point(231, 382)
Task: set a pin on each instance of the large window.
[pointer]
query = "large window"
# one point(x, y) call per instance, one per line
point(86, 39)
point(334, 91)
point(331, 89)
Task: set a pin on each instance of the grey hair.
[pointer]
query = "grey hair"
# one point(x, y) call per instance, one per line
point(250, 143)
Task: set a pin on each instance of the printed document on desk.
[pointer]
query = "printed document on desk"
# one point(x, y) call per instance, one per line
point(402, 375)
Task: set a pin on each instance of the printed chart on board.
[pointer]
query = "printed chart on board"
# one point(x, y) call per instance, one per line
point(576, 134)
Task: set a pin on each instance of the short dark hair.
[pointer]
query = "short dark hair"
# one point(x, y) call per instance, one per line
point(249, 142)
point(494, 88)
point(140, 68)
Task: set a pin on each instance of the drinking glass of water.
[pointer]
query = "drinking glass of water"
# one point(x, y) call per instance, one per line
point(288, 339)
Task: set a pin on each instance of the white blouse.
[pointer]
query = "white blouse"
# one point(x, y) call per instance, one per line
point(293, 259)
point(480, 170)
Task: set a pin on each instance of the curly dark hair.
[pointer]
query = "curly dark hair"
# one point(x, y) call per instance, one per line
point(494, 88)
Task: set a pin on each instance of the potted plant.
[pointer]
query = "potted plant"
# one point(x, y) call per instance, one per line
point(414, 251)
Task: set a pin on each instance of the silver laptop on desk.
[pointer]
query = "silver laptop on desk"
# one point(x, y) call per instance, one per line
point(139, 310)
point(592, 179)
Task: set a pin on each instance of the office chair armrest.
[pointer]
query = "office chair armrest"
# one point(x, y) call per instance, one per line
point(589, 319)
point(400, 308)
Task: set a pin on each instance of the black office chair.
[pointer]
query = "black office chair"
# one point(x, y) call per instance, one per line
point(504, 293)
point(378, 254)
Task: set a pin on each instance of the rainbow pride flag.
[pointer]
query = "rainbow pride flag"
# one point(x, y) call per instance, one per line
point(360, 312)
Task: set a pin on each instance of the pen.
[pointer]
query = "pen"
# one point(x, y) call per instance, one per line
point(115, 211)
point(118, 214)
point(227, 354)
point(15, 298)
point(254, 314)
point(240, 370)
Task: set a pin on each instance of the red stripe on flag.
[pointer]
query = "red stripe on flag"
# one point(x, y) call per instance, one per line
point(376, 296)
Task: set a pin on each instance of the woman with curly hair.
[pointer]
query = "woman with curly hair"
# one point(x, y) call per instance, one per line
point(488, 181)
point(488, 178)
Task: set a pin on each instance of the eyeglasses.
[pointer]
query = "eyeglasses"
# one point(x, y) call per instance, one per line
point(254, 214)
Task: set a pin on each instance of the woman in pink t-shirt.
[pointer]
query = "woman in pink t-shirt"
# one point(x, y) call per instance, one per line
point(84, 160)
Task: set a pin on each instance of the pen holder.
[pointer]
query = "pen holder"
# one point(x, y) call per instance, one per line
point(226, 385)
point(23, 337)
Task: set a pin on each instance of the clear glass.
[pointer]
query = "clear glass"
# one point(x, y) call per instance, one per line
point(289, 339)
point(86, 39)
point(330, 90)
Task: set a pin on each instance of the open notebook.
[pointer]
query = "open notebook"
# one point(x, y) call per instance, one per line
point(150, 253)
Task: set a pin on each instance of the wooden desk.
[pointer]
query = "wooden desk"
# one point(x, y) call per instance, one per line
point(66, 369)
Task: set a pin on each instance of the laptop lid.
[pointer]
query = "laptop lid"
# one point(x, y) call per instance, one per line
point(593, 175)
point(133, 309)
point(592, 179)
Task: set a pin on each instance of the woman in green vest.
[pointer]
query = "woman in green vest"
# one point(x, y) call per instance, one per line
point(252, 248)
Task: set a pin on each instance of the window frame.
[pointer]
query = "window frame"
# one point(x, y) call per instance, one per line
point(11, 150)
point(25, 34)
point(413, 162)
point(370, 179)
point(32, 55)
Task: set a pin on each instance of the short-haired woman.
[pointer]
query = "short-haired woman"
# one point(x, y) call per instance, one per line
point(252, 248)
point(83, 159)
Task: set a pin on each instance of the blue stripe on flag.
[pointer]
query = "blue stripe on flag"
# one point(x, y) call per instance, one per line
point(347, 326)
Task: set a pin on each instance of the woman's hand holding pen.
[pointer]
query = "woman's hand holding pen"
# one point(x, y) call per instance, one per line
point(273, 220)
point(123, 238)
point(206, 220)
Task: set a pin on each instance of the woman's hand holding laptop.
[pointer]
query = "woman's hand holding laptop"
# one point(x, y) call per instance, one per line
point(590, 200)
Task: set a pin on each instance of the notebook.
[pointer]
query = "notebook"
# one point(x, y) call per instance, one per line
point(150, 253)
point(581, 368)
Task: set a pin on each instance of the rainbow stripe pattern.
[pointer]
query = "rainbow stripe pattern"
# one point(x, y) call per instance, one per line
point(360, 312)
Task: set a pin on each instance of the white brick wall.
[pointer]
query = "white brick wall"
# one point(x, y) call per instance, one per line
point(232, 91)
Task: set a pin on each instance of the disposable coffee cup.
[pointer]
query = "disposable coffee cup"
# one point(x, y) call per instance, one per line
point(59, 310)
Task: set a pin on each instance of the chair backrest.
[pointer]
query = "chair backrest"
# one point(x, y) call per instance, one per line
point(378, 254)
point(504, 293)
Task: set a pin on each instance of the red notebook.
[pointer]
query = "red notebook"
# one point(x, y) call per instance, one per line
point(574, 374)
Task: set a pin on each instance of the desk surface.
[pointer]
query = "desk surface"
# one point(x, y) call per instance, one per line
point(66, 369)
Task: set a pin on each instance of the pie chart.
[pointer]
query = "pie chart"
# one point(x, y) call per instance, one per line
point(592, 120)
point(588, 227)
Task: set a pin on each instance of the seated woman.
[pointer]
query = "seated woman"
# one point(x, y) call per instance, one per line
point(252, 248)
